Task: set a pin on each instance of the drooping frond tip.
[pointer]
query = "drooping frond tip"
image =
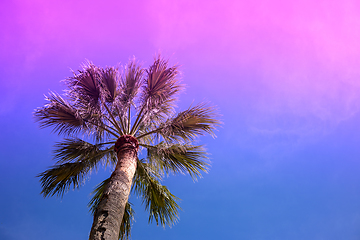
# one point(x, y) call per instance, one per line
point(158, 200)
point(61, 178)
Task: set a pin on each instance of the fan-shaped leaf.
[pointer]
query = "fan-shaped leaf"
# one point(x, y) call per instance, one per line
point(158, 200)
point(61, 115)
point(76, 150)
point(60, 178)
point(130, 83)
point(84, 86)
point(160, 88)
point(178, 158)
point(76, 158)
point(190, 123)
point(108, 77)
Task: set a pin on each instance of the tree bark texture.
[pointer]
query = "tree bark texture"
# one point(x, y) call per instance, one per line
point(109, 213)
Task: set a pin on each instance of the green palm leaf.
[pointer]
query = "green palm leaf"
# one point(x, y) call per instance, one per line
point(128, 218)
point(75, 150)
point(76, 159)
point(59, 178)
point(159, 201)
point(178, 158)
point(189, 124)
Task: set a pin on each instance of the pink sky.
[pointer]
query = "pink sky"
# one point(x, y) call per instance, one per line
point(304, 54)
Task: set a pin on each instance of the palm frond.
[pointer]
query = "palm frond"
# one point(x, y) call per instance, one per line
point(76, 158)
point(178, 158)
point(159, 201)
point(62, 177)
point(109, 84)
point(130, 83)
point(86, 95)
point(81, 112)
point(76, 150)
point(161, 81)
point(159, 93)
point(189, 124)
point(126, 223)
point(97, 194)
point(128, 218)
point(61, 115)
point(84, 86)
point(108, 80)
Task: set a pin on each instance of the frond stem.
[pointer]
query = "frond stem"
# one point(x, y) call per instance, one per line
point(146, 146)
point(148, 133)
point(146, 172)
point(105, 129)
point(120, 117)
point(114, 120)
point(137, 121)
point(129, 120)
point(93, 156)
point(115, 130)
point(112, 142)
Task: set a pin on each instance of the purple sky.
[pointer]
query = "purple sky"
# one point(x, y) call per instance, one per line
point(284, 75)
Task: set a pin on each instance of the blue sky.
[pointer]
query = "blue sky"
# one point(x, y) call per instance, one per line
point(284, 76)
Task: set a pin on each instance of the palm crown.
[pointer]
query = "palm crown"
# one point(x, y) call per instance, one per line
point(103, 104)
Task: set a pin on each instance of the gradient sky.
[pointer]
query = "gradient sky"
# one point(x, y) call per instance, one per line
point(284, 75)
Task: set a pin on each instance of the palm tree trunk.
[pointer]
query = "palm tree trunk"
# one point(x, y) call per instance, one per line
point(109, 213)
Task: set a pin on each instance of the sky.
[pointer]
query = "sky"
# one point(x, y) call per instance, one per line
point(284, 76)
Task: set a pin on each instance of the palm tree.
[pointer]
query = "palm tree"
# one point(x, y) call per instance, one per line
point(110, 117)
